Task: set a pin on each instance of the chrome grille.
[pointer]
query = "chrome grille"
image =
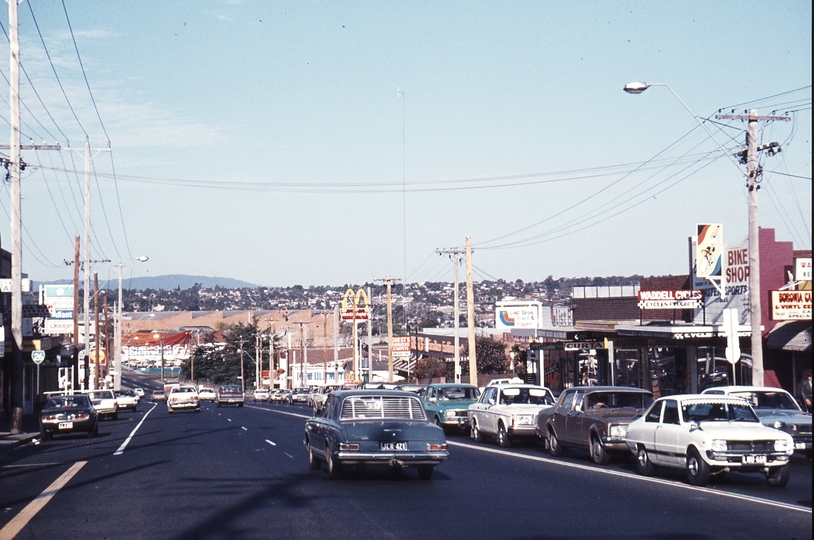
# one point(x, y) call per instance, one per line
point(750, 446)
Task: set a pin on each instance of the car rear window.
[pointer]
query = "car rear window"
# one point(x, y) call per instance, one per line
point(372, 407)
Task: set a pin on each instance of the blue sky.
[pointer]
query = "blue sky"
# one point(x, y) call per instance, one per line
point(263, 140)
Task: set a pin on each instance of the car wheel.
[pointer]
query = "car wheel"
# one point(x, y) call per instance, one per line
point(644, 466)
point(115, 416)
point(425, 472)
point(313, 462)
point(334, 468)
point(169, 410)
point(502, 437)
point(477, 436)
point(698, 470)
point(93, 432)
point(554, 444)
point(598, 453)
point(779, 477)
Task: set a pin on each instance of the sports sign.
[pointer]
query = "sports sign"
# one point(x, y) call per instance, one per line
point(681, 299)
point(709, 248)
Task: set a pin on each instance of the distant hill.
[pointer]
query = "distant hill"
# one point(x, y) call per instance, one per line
point(173, 281)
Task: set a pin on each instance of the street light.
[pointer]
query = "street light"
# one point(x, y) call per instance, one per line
point(754, 254)
point(117, 378)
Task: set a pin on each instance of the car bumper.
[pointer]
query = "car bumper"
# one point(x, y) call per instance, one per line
point(76, 426)
point(615, 444)
point(743, 460)
point(458, 421)
point(391, 459)
point(230, 401)
point(183, 405)
point(107, 410)
point(523, 431)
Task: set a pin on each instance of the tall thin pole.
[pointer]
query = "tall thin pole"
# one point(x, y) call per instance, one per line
point(97, 367)
point(86, 267)
point(470, 311)
point(457, 323)
point(117, 378)
point(16, 225)
point(754, 250)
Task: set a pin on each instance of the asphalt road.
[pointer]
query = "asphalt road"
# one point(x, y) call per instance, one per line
point(234, 473)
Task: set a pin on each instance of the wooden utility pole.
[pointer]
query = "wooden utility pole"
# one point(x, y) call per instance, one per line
point(470, 314)
point(97, 365)
point(455, 257)
point(107, 340)
point(388, 281)
point(303, 349)
point(753, 172)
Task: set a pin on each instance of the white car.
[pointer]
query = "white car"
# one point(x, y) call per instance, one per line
point(508, 411)
point(707, 435)
point(206, 394)
point(126, 399)
point(261, 394)
point(104, 402)
point(183, 397)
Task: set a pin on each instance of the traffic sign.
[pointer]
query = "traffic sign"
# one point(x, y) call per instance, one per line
point(38, 357)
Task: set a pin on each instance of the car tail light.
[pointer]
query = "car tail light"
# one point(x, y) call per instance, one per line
point(81, 416)
point(438, 447)
point(50, 417)
point(348, 446)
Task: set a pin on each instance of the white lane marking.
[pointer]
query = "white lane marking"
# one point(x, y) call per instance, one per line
point(132, 433)
point(243, 428)
point(281, 412)
point(27, 514)
point(289, 455)
point(588, 468)
point(271, 443)
point(229, 419)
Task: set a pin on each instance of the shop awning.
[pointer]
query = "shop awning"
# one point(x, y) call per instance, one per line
point(791, 336)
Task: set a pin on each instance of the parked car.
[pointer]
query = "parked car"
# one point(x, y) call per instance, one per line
point(447, 405)
point(707, 435)
point(158, 396)
point(418, 389)
point(298, 395)
point(104, 402)
point(230, 394)
point(377, 428)
point(68, 414)
point(279, 395)
point(508, 411)
point(126, 399)
point(776, 408)
point(594, 418)
point(206, 394)
point(183, 397)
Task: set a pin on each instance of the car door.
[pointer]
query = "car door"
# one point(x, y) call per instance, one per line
point(319, 425)
point(652, 421)
point(480, 406)
point(573, 424)
point(560, 414)
point(429, 402)
point(668, 434)
point(487, 420)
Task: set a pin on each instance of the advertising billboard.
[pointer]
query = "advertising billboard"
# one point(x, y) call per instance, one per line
point(518, 314)
point(709, 249)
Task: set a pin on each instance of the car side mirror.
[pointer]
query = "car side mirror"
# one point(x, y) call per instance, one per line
point(694, 426)
point(491, 401)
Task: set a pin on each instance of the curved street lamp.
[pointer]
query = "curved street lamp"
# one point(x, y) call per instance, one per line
point(751, 173)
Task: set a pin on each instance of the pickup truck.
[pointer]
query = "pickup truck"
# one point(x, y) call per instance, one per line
point(104, 402)
point(230, 394)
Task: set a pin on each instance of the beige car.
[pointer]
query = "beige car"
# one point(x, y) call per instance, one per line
point(508, 411)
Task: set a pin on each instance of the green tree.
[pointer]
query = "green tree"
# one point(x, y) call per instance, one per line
point(491, 356)
point(220, 362)
point(430, 368)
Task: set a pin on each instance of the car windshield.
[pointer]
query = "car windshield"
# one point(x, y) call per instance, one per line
point(526, 396)
point(100, 395)
point(67, 402)
point(617, 400)
point(230, 389)
point(458, 392)
point(768, 400)
point(373, 407)
point(717, 412)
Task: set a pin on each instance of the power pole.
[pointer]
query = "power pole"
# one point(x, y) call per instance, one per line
point(86, 268)
point(389, 283)
point(470, 314)
point(303, 349)
point(15, 165)
point(753, 173)
point(455, 257)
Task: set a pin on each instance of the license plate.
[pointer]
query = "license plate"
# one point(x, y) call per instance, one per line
point(66, 425)
point(754, 459)
point(391, 446)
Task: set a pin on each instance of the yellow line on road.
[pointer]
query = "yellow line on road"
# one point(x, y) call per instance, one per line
point(21, 520)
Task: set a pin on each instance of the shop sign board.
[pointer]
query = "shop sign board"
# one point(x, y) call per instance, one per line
point(5, 285)
point(355, 306)
point(518, 314)
point(802, 269)
point(401, 346)
point(791, 305)
point(680, 299)
point(709, 249)
point(58, 326)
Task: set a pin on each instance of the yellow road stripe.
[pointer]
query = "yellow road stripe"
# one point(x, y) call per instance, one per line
point(21, 520)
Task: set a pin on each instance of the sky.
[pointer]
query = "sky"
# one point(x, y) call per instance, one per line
point(330, 143)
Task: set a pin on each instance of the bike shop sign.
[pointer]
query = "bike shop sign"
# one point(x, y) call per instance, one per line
point(681, 299)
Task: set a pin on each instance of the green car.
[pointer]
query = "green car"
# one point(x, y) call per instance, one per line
point(447, 403)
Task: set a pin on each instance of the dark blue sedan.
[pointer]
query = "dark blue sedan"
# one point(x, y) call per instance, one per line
point(387, 428)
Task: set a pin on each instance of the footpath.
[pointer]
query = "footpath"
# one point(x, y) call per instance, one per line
point(30, 431)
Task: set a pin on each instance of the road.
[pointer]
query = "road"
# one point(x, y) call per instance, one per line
point(228, 473)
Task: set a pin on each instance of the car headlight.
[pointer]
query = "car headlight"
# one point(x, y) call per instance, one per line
point(779, 424)
point(449, 415)
point(523, 419)
point(783, 445)
point(718, 445)
point(618, 431)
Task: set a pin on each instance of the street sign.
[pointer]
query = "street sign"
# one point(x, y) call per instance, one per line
point(401, 346)
point(38, 357)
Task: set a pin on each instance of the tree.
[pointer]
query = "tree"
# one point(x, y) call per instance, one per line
point(220, 363)
point(491, 356)
point(430, 368)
